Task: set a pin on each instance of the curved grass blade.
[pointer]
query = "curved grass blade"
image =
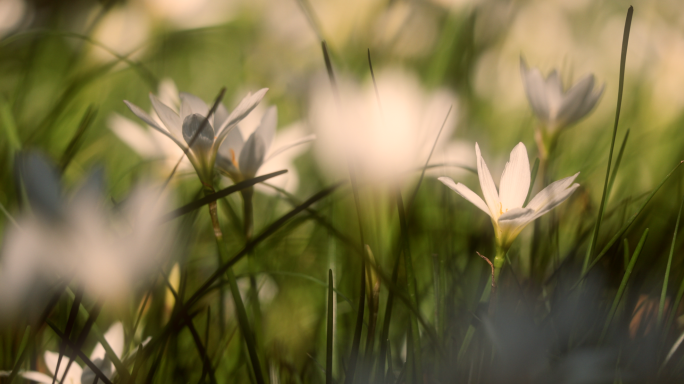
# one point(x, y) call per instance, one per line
point(623, 284)
point(661, 307)
point(76, 141)
point(623, 59)
point(209, 198)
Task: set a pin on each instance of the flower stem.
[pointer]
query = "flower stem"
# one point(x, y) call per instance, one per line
point(243, 323)
point(248, 217)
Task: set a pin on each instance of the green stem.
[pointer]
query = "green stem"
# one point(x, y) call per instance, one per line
point(248, 217)
point(498, 264)
point(243, 323)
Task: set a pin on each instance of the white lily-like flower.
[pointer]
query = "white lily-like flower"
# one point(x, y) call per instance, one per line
point(552, 104)
point(181, 127)
point(147, 142)
point(505, 207)
point(77, 374)
point(240, 159)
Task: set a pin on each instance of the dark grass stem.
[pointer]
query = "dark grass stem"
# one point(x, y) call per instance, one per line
point(71, 320)
point(411, 284)
point(623, 59)
point(617, 163)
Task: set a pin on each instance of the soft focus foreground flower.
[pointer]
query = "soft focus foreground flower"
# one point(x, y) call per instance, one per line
point(554, 106)
point(151, 144)
point(76, 374)
point(181, 127)
point(505, 207)
point(382, 139)
point(104, 251)
point(240, 159)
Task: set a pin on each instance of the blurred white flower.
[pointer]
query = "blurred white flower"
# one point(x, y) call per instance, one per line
point(241, 159)
point(104, 251)
point(554, 106)
point(76, 374)
point(181, 127)
point(505, 207)
point(12, 13)
point(382, 139)
point(184, 14)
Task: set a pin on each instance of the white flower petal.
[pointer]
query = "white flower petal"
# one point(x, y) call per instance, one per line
point(535, 89)
point(267, 128)
point(574, 99)
point(243, 109)
point(556, 200)
point(204, 140)
point(280, 150)
point(192, 104)
point(150, 121)
point(134, 136)
point(252, 156)
point(115, 338)
point(75, 371)
point(466, 193)
point(491, 196)
point(168, 116)
point(37, 377)
point(515, 179)
point(549, 196)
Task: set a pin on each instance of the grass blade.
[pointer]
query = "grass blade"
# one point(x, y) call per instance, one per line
point(209, 198)
point(623, 59)
point(661, 307)
point(623, 284)
point(330, 331)
point(617, 162)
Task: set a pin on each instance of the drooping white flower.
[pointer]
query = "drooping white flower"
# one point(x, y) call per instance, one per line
point(79, 239)
point(147, 142)
point(505, 207)
point(241, 159)
point(77, 374)
point(552, 104)
point(181, 127)
point(383, 140)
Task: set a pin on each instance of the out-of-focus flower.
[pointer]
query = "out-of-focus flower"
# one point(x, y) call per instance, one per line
point(76, 374)
point(382, 136)
point(554, 106)
point(182, 127)
point(11, 14)
point(241, 160)
point(150, 143)
point(104, 251)
point(506, 206)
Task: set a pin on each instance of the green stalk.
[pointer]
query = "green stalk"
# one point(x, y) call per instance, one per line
point(243, 322)
point(330, 330)
point(248, 217)
point(498, 264)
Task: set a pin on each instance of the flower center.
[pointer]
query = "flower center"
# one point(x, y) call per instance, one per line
point(501, 211)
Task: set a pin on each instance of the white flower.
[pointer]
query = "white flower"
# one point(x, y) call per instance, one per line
point(241, 159)
point(76, 374)
point(104, 251)
point(554, 106)
point(150, 143)
point(505, 207)
point(384, 140)
point(181, 126)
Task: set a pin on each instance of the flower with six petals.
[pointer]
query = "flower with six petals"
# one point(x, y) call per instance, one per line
point(552, 104)
point(505, 207)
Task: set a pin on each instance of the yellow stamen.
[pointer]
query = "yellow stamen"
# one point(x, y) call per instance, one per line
point(233, 159)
